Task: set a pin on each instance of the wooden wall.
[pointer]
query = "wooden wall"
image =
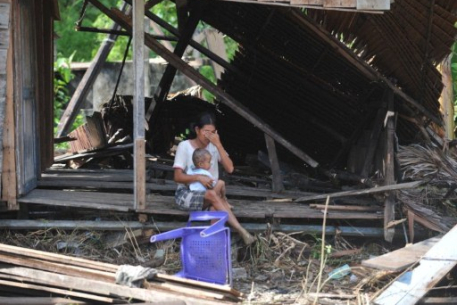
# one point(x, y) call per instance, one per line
point(7, 155)
point(26, 106)
point(45, 12)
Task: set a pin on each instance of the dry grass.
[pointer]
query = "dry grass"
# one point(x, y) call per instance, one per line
point(436, 200)
point(282, 268)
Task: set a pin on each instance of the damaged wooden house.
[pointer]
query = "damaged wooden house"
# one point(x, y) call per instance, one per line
point(321, 99)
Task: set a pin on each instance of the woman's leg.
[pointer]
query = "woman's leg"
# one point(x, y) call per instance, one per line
point(213, 200)
point(219, 188)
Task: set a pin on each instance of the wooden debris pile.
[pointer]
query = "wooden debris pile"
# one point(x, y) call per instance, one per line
point(433, 204)
point(284, 269)
point(82, 279)
point(89, 136)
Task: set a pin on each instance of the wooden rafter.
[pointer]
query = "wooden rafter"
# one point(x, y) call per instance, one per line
point(225, 98)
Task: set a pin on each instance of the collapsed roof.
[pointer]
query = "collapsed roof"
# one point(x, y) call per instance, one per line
point(292, 71)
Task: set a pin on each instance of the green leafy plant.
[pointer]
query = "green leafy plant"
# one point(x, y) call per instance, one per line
point(62, 77)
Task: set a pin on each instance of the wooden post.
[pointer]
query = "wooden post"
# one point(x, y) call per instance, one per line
point(170, 71)
point(190, 72)
point(139, 167)
point(278, 186)
point(9, 179)
point(389, 173)
point(86, 83)
point(447, 97)
point(4, 70)
point(181, 11)
point(211, 55)
point(373, 141)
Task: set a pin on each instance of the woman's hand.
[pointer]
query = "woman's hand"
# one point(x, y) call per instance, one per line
point(206, 181)
point(214, 138)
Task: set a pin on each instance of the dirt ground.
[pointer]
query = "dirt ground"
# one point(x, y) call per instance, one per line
point(278, 269)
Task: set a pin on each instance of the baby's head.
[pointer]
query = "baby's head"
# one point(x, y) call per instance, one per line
point(201, 158)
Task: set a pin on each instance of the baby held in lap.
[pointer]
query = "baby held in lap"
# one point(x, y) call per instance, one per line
point(202, 163)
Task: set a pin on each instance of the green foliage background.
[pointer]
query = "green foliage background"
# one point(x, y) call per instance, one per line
point(74, 46)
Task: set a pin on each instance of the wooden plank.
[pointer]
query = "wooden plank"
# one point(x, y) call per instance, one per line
point(165, 205)
point(79, 271)
point(58, 258)
point(150, 4)
point(110, 151)
point(155, 185)
point(115, 199)
point(190, 282)
point(9, 182)
point(3, 62)
point(346, 207)
point(184, 290)
point(100, 288)
point(4, 15)
point(278, 186)
point(39, 300)
point(403, 258)
point(25, 96)
point(368, 5)
point(63, 292)
point(4, 39)
point(413, 285)
point(72, 203)
point(25, 224)
point(389, 168)
point(44, 20)
point(340, 3)
point(139, 189)
point(438, 301)
point(362, 192)
point(447, 97)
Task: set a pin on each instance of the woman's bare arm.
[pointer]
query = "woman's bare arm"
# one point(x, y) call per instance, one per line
point(181, 177)
point(226, 162)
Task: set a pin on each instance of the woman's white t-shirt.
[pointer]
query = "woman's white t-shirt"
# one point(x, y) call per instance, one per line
point(183, 158)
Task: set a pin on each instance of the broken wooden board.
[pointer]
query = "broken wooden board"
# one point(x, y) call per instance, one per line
point(372, 190)
point(89, 136)
point(411, 286)
point(98, 287)
point(106, 152)
point(39, 301)
point(403, 258)
point(66, 272)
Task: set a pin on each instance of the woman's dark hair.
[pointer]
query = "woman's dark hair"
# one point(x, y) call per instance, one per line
point(204, 118)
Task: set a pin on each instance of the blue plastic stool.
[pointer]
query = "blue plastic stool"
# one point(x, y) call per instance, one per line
point(205, 250)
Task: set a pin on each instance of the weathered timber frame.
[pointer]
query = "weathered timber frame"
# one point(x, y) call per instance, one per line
point(184, 39)
point(139, 143)
point(177, 63)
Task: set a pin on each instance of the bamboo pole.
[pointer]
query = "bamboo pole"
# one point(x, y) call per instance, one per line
point(139, 148)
